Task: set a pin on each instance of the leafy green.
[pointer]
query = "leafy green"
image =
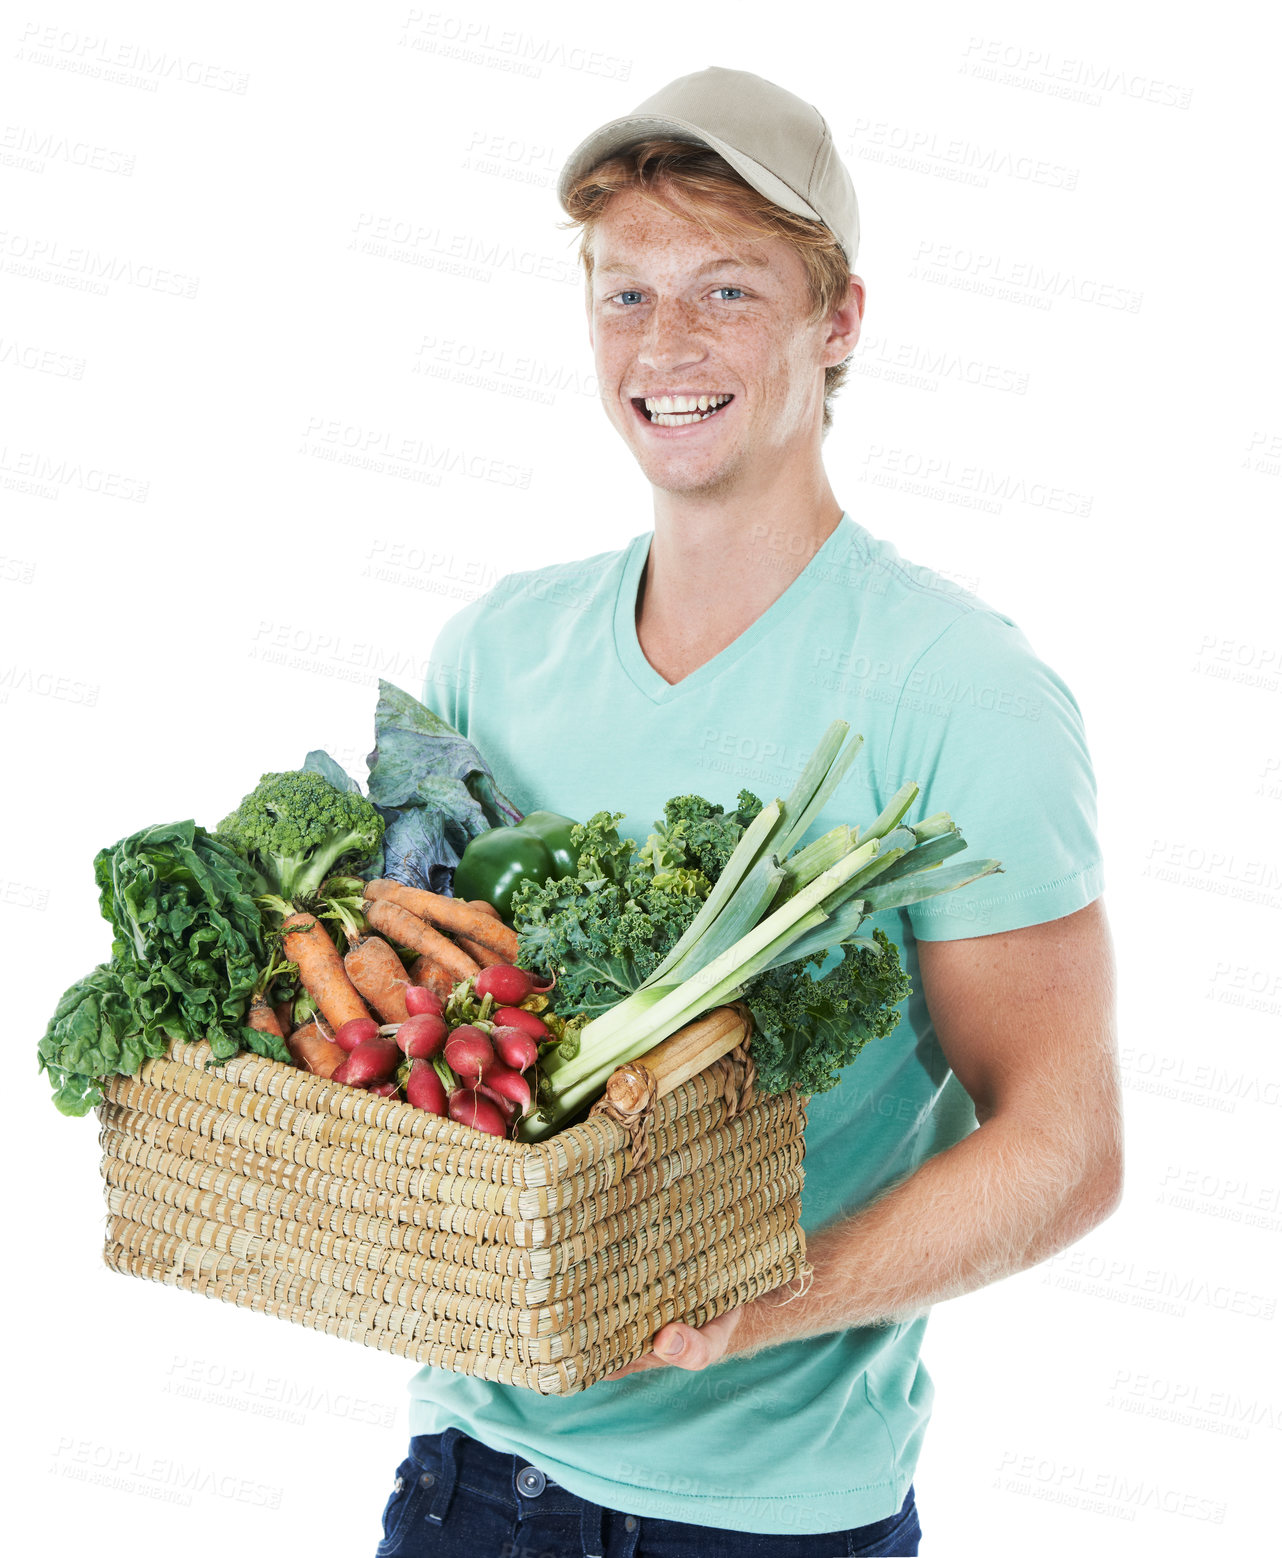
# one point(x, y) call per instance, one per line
point(696, 834)
point(188, 935)
point(433, 789)
point(91, 1033)
point(320, 762)
point(808, 1026)
point(187, 948)
point(604, 930)
point(295, 828)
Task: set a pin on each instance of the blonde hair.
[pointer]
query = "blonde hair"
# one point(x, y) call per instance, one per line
point(694, 182)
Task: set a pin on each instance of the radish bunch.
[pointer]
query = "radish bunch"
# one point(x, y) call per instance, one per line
point(466, 1059)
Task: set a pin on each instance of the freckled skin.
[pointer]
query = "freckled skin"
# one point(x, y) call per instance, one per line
point(658, 325)
point(723, 487)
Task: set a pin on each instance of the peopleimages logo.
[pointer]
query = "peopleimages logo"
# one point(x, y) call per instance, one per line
point(1064, 76)
point(128, 1470)
point(25, 147)
point(477, 42)
point(935, 474)
point(127, 64)
point(952, 157)
point(1192, 1403)
point(49, 259)
point(1149, 1287)
point(1015, 280)
point(1118, 1494)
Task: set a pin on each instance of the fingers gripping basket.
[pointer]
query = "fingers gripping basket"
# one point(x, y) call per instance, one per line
point(545, 1265)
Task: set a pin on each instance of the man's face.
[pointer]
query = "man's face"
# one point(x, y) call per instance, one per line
point(673, 311)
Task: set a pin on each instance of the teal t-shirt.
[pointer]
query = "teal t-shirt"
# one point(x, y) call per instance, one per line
point(546, 675)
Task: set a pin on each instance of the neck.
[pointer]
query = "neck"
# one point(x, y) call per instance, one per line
point(717, 564)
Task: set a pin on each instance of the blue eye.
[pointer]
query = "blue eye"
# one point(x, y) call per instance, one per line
point(630, 294)
point(728, 289)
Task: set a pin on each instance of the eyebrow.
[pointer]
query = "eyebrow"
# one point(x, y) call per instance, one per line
point(724, 262)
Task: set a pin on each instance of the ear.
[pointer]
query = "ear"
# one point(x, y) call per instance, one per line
point(844, 323)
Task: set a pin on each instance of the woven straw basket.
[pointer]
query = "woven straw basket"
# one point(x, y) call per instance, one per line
point(545, 1265)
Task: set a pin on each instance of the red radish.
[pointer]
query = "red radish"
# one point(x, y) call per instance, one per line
point(509, 1084)
point(422, 1002)
point(423, 1036)
point(424, 1090)
point(505, 1105)
point(468, 1109)
point(469, 1052)
point(515, 1048)
point(507, 983)
point(356, 1032)
point(373, 1061)
point(385, 1089)
point(528, 1022)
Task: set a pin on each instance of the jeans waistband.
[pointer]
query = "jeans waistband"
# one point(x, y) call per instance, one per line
point(460, 1461)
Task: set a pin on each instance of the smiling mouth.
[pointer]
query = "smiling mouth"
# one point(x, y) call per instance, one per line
point(679, 410)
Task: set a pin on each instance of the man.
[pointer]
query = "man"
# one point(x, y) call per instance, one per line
point(719, 235)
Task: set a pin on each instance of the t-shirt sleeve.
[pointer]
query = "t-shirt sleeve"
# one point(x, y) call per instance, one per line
point(450, 673)
point(994, 737)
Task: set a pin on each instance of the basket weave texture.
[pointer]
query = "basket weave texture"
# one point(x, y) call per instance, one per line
point(545, 1265)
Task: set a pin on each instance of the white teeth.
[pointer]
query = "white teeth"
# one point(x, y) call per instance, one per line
point(677, 410)
point(668, 404)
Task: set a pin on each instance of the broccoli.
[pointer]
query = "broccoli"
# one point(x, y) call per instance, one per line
point(296, 829)
point(807, 1029)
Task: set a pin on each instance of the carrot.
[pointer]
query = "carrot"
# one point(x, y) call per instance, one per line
point(408, 930)
point(425, 972)
point(314, 1052)
point(320, 969)
point(485, 956)
point(380, 976)
point(455, 915)
point(284, 1016)
point(480, 905)
point(263, 1019)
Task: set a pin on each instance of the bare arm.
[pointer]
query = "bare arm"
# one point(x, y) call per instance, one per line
point(1026, 1021)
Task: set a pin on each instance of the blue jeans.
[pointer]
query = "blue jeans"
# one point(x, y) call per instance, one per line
point(454, 1496)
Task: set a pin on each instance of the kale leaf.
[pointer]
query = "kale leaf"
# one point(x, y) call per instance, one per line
point(698, 835)
point(605, 930)
point(806, 1028)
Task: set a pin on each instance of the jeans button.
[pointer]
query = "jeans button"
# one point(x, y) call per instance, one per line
point(427, 1479)
point(630, 1524)
point(531, 1481)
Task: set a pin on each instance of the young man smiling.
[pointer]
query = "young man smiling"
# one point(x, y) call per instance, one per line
point(719, 237)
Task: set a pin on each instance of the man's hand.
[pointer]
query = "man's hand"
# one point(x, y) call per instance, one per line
point(765, 1322)
point(688, 1347)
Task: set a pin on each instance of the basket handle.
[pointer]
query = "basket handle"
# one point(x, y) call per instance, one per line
point(717, 1042)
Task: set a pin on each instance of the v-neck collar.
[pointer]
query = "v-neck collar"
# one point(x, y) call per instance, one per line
point(628, 646)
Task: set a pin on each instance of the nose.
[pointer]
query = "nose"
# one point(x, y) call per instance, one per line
point(671, 338)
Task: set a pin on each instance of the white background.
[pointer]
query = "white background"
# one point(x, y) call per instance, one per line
point(1070, 265)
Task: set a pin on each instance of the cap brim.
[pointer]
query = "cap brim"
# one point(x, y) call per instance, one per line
point(618, 133)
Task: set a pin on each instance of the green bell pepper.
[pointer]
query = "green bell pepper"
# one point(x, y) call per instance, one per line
point(496, 862)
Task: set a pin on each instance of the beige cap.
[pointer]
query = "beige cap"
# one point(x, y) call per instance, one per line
point(779, 144)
